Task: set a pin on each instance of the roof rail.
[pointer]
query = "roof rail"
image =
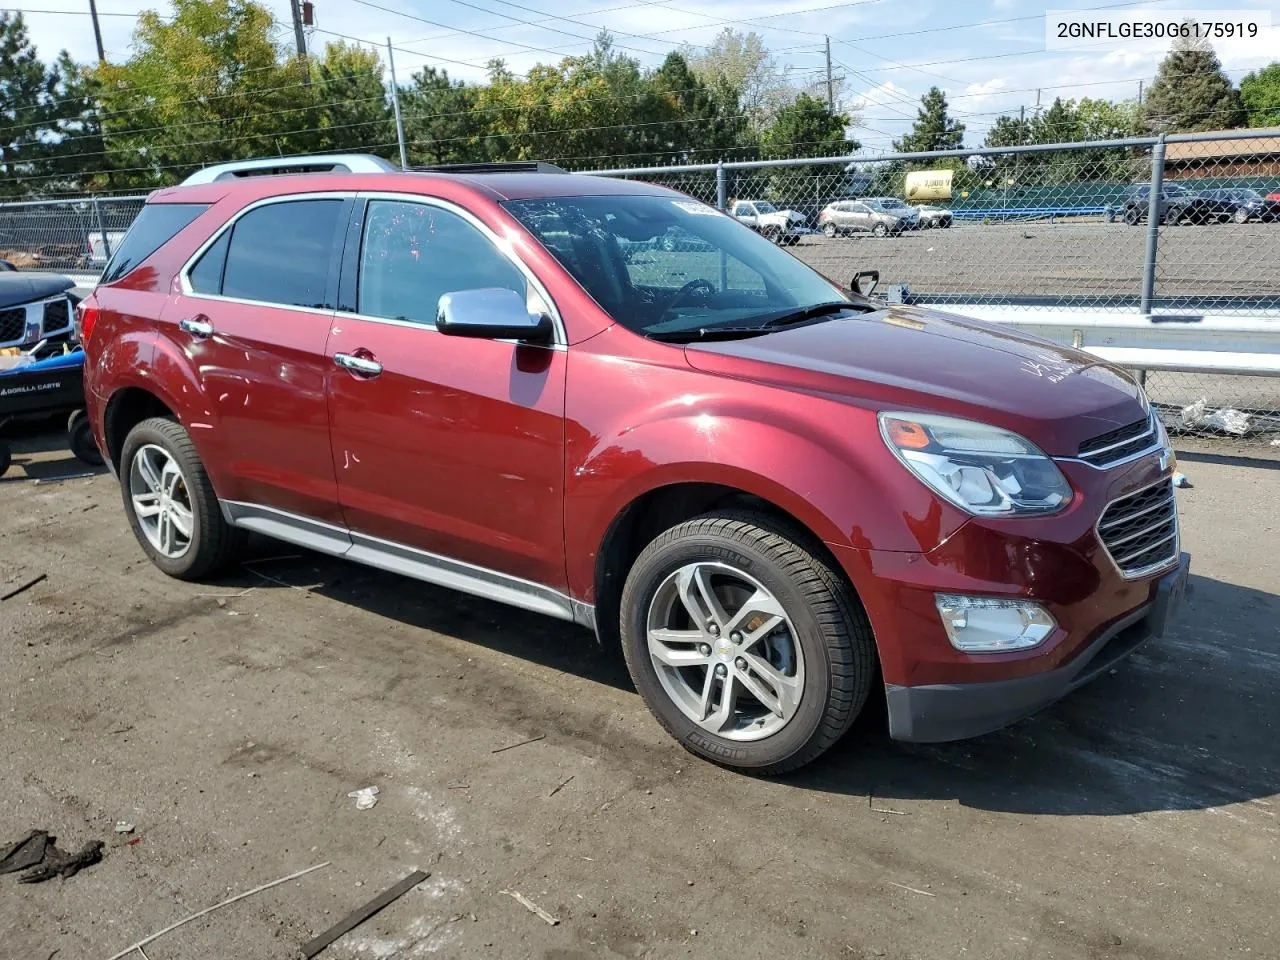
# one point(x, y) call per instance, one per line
point(510, 166)
point(270, 166)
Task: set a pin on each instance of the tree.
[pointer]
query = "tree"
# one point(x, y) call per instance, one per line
point(934, 129)
point(741, 61)
point(352, 112)
point(1191, 92)
point(26, 110)
point(443, 121)
point(1260, 94)
point(806, 128)
point(206, 86)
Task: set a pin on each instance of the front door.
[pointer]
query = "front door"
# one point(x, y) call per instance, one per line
point(253, 317)
point(449, 445)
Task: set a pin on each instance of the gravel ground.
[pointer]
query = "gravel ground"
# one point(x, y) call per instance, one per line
point(228, 721)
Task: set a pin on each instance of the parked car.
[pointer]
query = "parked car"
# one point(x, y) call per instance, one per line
point(1176, 205)
point(1242, 204)
point(859, 216)
point(930, 216)
point(774, 493)
point(779, 226)
point(909, 215)
point(34, 306)
point(99, 249)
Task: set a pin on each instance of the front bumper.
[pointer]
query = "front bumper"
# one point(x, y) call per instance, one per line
point(956, 711)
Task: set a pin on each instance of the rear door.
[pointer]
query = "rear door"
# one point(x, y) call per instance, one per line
point(253, 318)
point(859, 217)
point(446, 445)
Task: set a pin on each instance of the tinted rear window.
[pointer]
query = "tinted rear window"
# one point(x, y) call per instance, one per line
point(281, 253)
point(156, 225)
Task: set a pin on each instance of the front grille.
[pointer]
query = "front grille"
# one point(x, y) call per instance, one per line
point(13, 324)
point(1114, 446)
point(57, 316)
point(1140, 531)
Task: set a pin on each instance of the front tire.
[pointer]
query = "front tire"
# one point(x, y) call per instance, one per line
point(829, 230)
point(170, 502)
point(880, 230)
point(1241, 215)
point(749, 649)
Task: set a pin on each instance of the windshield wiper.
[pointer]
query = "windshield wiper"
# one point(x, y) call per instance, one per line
point(805, 313)
point(768, 323)
point(706, 333)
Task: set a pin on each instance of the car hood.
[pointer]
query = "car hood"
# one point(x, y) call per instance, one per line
point(909, 358)
point(17, 288)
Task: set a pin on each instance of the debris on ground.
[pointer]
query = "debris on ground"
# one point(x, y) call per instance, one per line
point(57, 863)
point(1180, 481)
point(137, 947)
point(541, 736)
point(24, 586)
point(563, 783)
point(532, 907)
point(124, 826)
point(1226, 420)
point(37, 853)
point(361, 914)
point(365, 797)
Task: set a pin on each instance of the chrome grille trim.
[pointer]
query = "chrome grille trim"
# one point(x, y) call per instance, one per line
point(1129, 440)
point(1157, 542)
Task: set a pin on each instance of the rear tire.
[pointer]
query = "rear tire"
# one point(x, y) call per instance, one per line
point(829, 231)
point(1132, 216)
point(6, 458)
point(1241, 215)
point(160, 471)
point(784, 621)
point(772, 234)
point(80, 439)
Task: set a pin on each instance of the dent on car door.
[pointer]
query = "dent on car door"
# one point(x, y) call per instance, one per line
point(253, 321)
point(450, 445)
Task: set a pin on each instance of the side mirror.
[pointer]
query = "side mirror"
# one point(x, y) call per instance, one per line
point(864, 282)
point(492, 313)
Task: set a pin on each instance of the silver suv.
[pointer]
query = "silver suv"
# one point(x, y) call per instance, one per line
point(861, 216)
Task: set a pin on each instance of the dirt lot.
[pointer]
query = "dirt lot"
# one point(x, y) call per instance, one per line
point(1139, 819)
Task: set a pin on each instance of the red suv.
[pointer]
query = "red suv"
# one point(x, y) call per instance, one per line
point(776, 493)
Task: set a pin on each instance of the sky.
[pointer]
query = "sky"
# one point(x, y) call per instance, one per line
point(989, 56)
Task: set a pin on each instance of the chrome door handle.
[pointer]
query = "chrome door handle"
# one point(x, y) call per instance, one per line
point(197, 327)
point(359, 365)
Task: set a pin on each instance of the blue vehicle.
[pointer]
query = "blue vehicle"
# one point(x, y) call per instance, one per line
point(44, 388)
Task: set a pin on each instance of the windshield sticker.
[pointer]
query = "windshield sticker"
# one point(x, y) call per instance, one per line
point(697, 209)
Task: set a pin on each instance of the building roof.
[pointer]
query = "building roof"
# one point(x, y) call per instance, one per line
point(1266, 144)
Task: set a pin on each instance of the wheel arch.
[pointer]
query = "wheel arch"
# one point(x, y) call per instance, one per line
point(126, 408)
point(663, 506)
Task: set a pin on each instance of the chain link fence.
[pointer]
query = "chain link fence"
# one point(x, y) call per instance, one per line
point(69, 236)
point(1059, 239)
point(1062, 239)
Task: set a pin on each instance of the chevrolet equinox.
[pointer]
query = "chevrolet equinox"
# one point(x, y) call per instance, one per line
point(776, 493)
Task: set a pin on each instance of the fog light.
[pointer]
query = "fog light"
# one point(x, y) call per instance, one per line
point(992, 624)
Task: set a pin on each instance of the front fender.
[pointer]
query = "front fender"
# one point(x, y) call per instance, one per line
point(820, 460)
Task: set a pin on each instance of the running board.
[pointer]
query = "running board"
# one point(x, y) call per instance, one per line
point(407, 561)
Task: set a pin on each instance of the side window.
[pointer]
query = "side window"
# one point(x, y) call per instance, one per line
point(414, 253)
point(281, 253)
point(206, 275)
point(156, 225)
point(740, 210)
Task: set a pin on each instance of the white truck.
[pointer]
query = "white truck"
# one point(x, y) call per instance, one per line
point(780, 226)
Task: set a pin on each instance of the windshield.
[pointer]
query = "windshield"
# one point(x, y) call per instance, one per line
point(1172, 190)
point(894, 202)
point(764, 207)
point(662, 265)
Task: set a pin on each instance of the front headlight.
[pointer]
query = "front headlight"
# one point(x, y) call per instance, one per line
point(981, 469)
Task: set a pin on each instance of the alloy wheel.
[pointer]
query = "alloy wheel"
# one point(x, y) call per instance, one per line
point(725, 651)
point(161, 501)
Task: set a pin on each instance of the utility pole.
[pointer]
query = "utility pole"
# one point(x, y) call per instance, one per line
point(97, 31)
point(1139, 93)
point(300, 38)
point(395, 102)
point(831, 90)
